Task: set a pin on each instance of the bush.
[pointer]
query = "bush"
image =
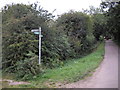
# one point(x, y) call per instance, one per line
point(77, 26)
point(55, 47)
point(18, 41)
point(67, 38)
point(29, 67)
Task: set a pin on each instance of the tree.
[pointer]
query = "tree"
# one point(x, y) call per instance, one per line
point(113, 18)
point(76, 26)
point(99, 25)
point(92, 10)
point(18, 41)
point(20, 45)
point(70, 36)
point(99, 21)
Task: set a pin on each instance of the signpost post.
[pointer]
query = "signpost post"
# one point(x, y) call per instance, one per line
point(39, 45)
point(38, 31)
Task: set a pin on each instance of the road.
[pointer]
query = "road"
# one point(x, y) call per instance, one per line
point(106, 75)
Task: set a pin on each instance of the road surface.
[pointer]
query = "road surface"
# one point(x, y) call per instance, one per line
point(106, 76)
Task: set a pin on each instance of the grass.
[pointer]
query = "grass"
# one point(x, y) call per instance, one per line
point(73, 70)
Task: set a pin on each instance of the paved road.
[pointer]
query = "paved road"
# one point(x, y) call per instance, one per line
point(106, 76)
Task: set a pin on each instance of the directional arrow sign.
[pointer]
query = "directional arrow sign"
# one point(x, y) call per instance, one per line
point(36, 32)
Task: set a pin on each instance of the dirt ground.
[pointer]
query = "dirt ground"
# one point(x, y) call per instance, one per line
point(106, 75)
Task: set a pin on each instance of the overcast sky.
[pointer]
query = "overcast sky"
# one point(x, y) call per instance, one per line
point(61, 6)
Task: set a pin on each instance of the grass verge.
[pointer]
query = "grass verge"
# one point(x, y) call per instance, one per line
point(73, 70)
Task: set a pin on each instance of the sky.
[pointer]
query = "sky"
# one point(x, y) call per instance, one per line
point(61, 6)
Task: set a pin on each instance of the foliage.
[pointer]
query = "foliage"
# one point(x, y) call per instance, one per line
point(92, 10)
point(18, 40)
point(29, 67)
point(72, 71)
point(55, 48)
point(70, 36)
point(77, 26)
point(112, 13)
point(99, 22)
point(99, 26)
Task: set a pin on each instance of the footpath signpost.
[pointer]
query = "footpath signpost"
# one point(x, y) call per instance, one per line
point(38, 32)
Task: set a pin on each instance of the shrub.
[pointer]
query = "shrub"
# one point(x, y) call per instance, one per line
point(29, 67)
point(77, 26)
